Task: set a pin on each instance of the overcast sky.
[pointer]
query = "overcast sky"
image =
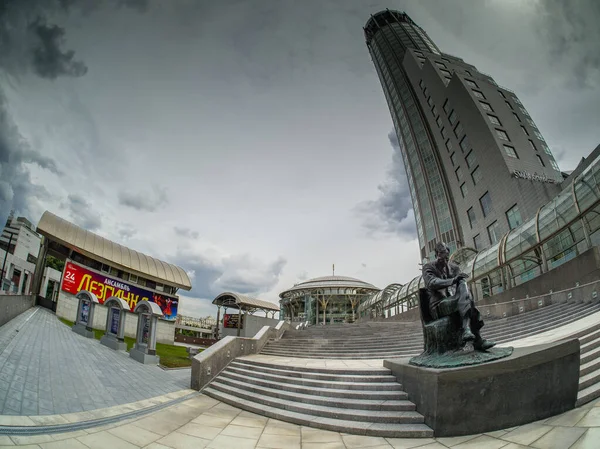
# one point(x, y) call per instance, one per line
point(248, 141)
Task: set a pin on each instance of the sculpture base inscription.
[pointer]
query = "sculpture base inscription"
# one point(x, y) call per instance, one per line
point(465, 357)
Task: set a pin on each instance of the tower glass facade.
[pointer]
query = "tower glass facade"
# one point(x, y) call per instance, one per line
point(462, 138)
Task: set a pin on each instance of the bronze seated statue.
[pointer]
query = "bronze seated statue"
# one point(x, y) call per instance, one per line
point(448, 313)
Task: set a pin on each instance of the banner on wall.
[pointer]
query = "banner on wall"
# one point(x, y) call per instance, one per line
point(77, 278)
point(230, 321)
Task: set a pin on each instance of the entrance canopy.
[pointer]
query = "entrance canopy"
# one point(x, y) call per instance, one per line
point(244, 303)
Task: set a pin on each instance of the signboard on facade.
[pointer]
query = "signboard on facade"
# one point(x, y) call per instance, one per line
point(231, 321)
point(522, 174)
point(77, 278)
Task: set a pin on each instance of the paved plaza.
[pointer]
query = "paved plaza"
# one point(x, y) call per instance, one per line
point(47, 369)
point(203, 422)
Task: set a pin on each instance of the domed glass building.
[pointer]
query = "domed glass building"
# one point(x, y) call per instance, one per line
point(325, 300)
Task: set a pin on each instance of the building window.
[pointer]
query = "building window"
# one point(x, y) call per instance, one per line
point(446, 106)
point(418, 52)
point(472, 217)
point(531, 123)
point(471, 83)
point(470, 158)
point(421, 60)
point(494, 232)
point(468, 73)
point(443, 131)
point(453, 159)
point(438, 120)
point(429, 101)
point(446, 73)
point(421, 84)
point(133, 278)
point(502, 135)
point(440, 64)
point(502, 94)
point(509, 105)
point(513, 216)
point(458, 131)
point(105, 268)
point(532, 145)
point(510, 151)
point(516, 100)
point(516, 116)
point(452, 117)
point(448, 145)
point(494, 120)
point(524, 130)
point(477, 242)
point(434, 110)
point(425, 91)
point(486, 204)
point(464, 144)
point(459, 174)
point(538, 135)
point(447, 80)
point(463, 189)
point(554, 164)
point(476, 175)
point(540, 159)
point(478, 94)
point(485, 106)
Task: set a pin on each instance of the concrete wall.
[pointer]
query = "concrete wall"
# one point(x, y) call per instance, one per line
point(67, 308)
point(252, 324)
point(13, 305)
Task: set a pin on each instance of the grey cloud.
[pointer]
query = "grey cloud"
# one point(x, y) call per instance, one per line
point(82, 213)
point(17, 190)
point(392, 212)
point(127, 231)
point(186, 233)
point(144, 201)
point(238, 273)
point(302, 276)
point(48, 58)
point(571, 29)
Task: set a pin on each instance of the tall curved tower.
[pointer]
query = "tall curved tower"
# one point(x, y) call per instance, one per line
point(475, 162)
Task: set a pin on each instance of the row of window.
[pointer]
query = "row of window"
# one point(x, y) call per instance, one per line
point(513, 217)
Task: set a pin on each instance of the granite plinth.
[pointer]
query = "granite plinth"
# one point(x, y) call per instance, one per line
point(534, 383)
point(142, 357)
point(82, 330)
point(113, 342)
point(454, 359)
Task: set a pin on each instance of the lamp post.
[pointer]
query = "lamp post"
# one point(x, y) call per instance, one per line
point(6, 254)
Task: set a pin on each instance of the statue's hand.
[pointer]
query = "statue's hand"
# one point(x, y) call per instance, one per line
point(460, 277)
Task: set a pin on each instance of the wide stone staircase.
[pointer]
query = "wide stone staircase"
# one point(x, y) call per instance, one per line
point(369, 400)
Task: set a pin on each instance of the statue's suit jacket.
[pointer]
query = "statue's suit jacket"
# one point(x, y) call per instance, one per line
point(437, 282)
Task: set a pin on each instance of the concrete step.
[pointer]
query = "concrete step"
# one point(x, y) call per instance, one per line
point(392, 430)
point(355, 403)
point(336, 376)
point(588, 394)
point(393, 394)
point(590, 366)
point(342, 355)
point(592, 335)
point(590, 355)
point(339, 385)
point(589, 346)
point(316, 369)
point(589, 379)
point(382, 416)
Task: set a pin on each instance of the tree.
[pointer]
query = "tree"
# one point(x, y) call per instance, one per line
point(55, 263)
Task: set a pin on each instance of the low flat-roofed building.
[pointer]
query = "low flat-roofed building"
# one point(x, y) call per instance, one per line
point(106, 268)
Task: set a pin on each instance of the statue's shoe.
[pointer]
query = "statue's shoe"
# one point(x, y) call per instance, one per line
point(483, 345)
point(468, 335)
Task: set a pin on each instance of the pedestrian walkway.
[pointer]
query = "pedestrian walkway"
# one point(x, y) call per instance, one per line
point(203, 422)
point(47, 369)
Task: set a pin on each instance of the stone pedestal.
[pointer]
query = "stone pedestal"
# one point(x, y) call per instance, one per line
point(82, 329)
point(85, 314)
point(142, 357)
point(534, 383)
point(112, 342)
point(115, 324)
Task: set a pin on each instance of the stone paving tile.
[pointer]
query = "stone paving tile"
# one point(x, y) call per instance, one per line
point(47, 369)
point(481, 442)
point(338, 445)
point(105, 440)
point(229, 442)
point(591, 418)
point(589, 440)
point(409, 443)
point(559, 438)
point(135, 435)
point(360, 441)
point(178, 440)
point(527, 434)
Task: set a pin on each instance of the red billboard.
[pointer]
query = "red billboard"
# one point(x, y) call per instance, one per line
point(77, 278)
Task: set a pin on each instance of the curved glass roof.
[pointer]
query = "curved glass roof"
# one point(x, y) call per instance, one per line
point(341, 283)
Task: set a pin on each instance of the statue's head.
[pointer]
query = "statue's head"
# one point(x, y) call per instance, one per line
point(442, 252)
